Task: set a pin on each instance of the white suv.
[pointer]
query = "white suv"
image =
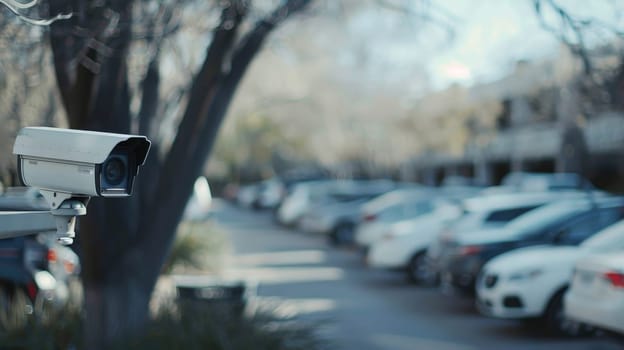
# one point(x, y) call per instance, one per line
point(531, 282)
point(596, 294)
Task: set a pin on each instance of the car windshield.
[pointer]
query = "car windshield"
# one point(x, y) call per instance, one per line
point(350, 197)
point(407, 209)
point(610, 238)
point(541, 217)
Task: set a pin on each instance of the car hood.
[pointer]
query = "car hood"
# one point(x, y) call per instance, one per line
point(536, 257)
point(415, 225)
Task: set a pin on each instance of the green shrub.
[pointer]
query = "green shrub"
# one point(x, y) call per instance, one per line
point(197, 325)
point(188, 325)
point(56, 329)
point(198, 246)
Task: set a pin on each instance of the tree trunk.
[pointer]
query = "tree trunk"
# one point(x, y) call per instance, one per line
point(124, 242)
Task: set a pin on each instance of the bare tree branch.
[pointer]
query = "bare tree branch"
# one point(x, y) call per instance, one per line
point(15, 7)
point(568, 24)
point(19, 5)
point(572, 29)
point(425, 16)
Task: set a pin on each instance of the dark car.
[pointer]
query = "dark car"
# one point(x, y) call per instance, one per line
point(560, 223)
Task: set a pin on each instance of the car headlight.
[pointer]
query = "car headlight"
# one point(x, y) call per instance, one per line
point(527, 274)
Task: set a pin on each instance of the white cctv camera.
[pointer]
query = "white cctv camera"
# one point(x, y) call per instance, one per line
point(70, 166)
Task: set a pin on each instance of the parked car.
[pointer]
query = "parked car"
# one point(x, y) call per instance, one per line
point(563, 222)
point(198, 206)
point(531, 282)
point(403, 246)
point(414, 246)
point(307, 195)
point(479, 213)
point(301, 198)
point(270, 194)
point(380, 213)
point(596, 294)
point(337, 220)
point(247, 195)
point(339, 217)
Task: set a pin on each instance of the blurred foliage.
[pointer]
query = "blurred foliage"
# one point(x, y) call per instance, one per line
point(256, 146)
point(199, 246)
point(49, 328)
point(196, 325)
point(188, 325)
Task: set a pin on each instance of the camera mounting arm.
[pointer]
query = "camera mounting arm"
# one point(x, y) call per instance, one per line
point(61, 217)
point(25, 223)
point(65, 208)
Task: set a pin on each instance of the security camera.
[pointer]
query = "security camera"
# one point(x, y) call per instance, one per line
point(70, 166)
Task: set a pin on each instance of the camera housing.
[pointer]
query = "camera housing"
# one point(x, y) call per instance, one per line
point(79, 162)
point(70, 166)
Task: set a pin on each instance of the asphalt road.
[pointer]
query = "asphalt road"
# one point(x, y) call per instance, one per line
point(301, 277)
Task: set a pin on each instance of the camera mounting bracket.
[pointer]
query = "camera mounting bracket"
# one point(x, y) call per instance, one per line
point(65, 208)
point(55, 198)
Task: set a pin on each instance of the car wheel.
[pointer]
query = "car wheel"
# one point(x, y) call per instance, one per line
point(558, 324)
point(417, 271)
point(342, 234)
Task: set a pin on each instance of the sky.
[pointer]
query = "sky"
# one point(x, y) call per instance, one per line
point(490, 37)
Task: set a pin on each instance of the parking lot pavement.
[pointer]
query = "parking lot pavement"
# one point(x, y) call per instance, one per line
point(300, 276)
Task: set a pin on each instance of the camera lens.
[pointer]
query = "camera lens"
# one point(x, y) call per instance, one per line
point(114, 171)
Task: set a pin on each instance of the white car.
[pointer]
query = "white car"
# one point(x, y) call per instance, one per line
point(198, 206)
point(379, 214)
point(270, 194)
point(308, 195)
point(247, 195)
point(302, 197)
point(325, 218)
point(403, 246)
point(531, 282)
point(596, 294)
